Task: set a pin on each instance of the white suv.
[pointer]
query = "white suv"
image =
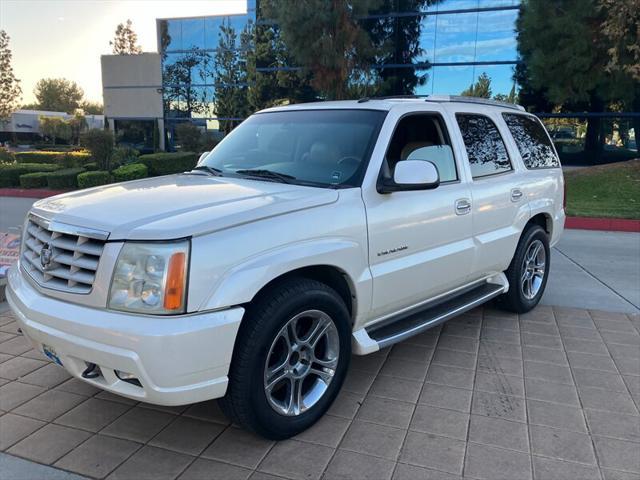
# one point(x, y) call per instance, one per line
point(309, 233)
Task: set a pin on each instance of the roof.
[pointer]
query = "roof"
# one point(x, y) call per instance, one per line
point(387, 103)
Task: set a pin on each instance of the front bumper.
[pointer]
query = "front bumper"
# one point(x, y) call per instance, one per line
point(178, 360)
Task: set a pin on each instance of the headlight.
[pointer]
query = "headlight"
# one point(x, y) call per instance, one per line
point(150, 278)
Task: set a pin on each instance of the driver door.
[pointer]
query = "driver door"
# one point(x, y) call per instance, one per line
point(420, 242)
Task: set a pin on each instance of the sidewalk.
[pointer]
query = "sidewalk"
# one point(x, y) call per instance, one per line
point(595, 270)
point(548, 395)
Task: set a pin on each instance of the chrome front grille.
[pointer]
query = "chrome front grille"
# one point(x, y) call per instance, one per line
point(61, 257)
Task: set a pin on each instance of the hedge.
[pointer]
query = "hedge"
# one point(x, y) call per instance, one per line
point(34, 180)
point(64, 179)
point(91, 166)
point(52, 157)
point(168, 163)
point(132, 171)
point(6, 156)
point(10, 173)
point(93, 179)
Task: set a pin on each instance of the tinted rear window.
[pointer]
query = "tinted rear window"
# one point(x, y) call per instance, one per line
point(532, 141)
point(485, 148)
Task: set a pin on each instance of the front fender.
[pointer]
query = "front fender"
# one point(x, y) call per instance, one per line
point(242, 282)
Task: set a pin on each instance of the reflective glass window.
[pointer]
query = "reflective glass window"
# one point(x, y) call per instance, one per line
point(502, 81)
point(456, 37)
point(486, 151)
point(427, 38)
point(532, 141)
point(458, 4)
point(496, 37)
point(192, 33)
point(192, 67)
point(173, 35)
point(444, 80)
point(212, 29)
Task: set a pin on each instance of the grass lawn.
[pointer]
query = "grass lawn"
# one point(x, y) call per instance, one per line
point(607, 191)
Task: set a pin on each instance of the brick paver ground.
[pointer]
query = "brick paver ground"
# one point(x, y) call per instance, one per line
point(553, 394)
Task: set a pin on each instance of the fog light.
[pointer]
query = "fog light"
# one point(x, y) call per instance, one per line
point(128, 377)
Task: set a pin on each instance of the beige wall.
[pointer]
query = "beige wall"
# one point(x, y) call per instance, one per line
point(131, 87)
point(131, 84)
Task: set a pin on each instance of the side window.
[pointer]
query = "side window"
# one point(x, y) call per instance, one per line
point(532, 141)
point(422, 137)
point(485, 147)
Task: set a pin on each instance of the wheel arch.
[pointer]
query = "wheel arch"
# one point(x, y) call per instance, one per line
point(330, 275)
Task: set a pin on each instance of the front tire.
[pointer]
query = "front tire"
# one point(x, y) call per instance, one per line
point(291, 356)
point(528, 271)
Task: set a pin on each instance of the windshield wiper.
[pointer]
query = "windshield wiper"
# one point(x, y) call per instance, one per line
point(258, 172)
point(216, 172)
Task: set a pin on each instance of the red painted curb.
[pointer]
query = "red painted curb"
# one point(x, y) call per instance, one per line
point(608, 224)
point(29, 192)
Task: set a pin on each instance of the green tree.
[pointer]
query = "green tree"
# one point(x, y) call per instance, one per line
point(10, 90)
point(100, 144)
point(231, 81)
point(512, 97)
point(92, 108)
point(397, 41)
point(78, 124)
point(189, 137)
point(55, 128)
point(480, 89)
point(58, 95)
point(273, 85)
point(326, 39)
point(566, 57)
point(125, 41)
point(621, 27)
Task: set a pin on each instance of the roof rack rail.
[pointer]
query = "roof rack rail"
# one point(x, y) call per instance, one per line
point(476, 100)
point(392, 97)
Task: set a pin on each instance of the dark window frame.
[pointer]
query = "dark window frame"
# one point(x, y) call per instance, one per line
point(506, 149)
point(546, 132)
point(445, 133)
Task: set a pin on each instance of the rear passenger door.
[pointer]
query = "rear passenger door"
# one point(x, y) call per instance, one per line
point(499, 207)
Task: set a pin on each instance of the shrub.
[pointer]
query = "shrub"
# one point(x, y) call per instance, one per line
point(189, 137)
point(64, 179)
point(91, 166)
point(93, 179)
point(36, 157)
point(100, 144)
point(61, 158)
point(168, 163)
point(34, 180)
point(132, 171)
point(124, 156)
point(6, 156)
point(10, 173)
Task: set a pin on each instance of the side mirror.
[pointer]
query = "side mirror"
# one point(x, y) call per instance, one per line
point(411, 175)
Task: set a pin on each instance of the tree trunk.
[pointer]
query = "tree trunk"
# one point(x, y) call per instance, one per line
point(593, 146)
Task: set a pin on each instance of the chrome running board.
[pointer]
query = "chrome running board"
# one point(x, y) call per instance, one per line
point(432, 315)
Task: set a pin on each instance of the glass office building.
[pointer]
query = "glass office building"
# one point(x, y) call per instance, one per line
point(216, 72)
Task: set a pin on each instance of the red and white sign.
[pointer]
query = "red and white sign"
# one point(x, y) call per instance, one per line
point(9, 251)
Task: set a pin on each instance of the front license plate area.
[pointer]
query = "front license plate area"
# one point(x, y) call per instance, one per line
point(51, 353)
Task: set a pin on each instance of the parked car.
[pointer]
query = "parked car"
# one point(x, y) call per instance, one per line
point(310, 233)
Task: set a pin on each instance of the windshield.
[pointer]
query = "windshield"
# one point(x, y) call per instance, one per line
point(328, 148)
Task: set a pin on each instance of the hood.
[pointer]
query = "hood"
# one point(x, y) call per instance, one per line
point(178, 206)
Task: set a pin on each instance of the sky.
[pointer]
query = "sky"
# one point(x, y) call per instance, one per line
point(65, 38)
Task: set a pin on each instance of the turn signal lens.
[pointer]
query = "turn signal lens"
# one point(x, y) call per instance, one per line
point(174, 291)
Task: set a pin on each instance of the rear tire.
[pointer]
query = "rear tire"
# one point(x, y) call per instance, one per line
point(528, 271)
point(285, 373)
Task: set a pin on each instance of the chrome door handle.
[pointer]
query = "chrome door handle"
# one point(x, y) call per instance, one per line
point(516, 194)
point(463, 206)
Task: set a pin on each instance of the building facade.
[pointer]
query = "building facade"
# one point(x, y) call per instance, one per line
point(209, 64)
